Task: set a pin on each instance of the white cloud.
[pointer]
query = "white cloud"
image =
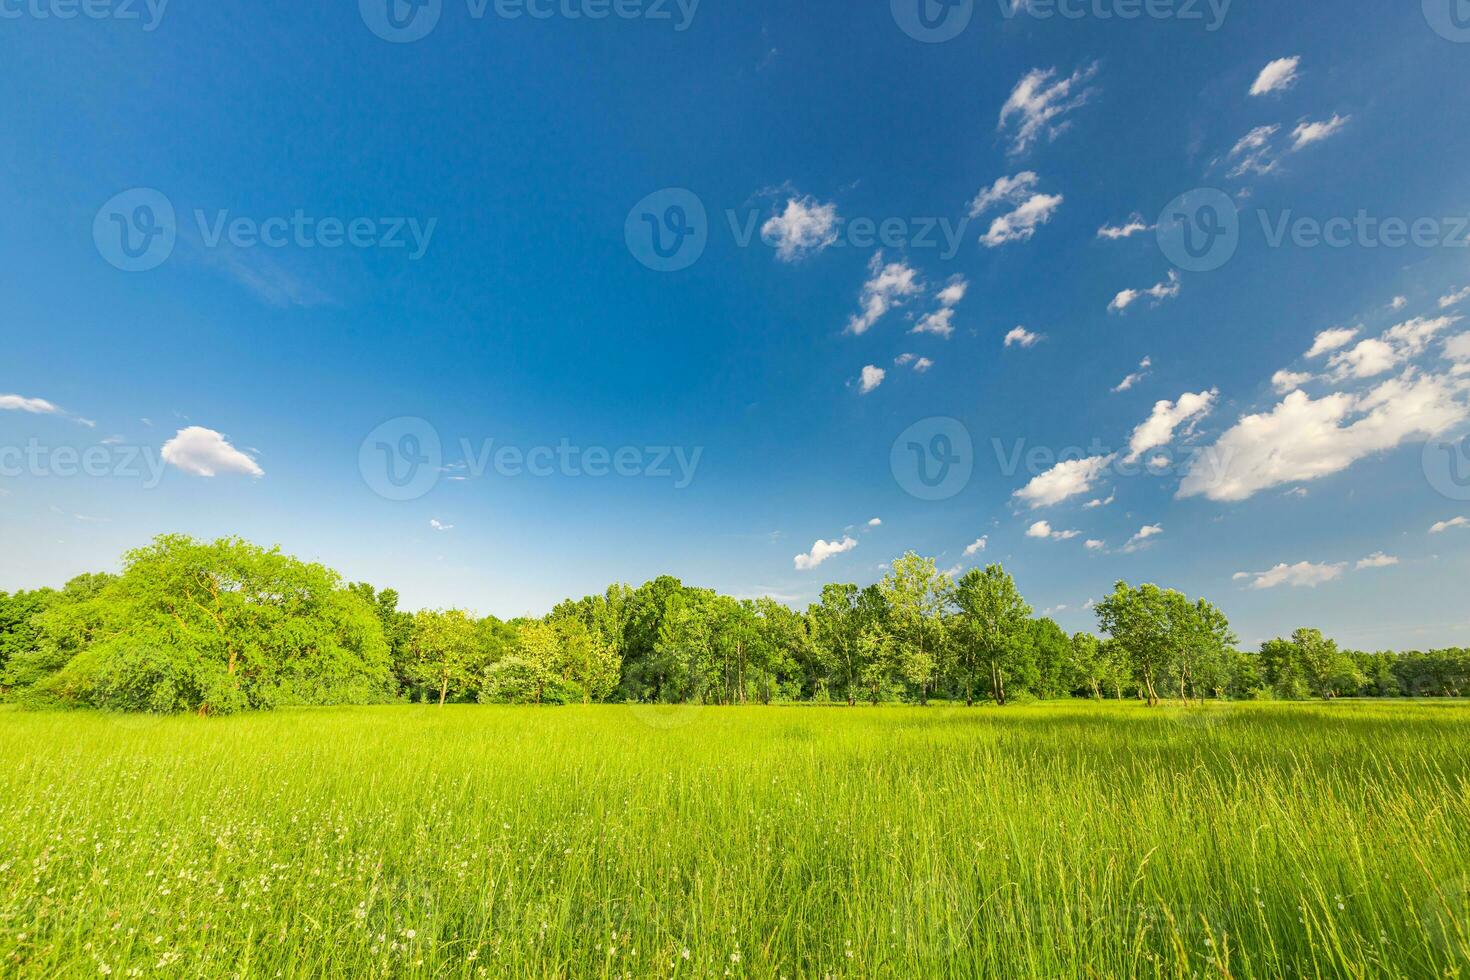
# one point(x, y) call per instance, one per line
point(805, 227)
point(1303, 439)
point(1367, 359)
point(1021, 224)
point(940, 323)
point(203, 452)
point(1252, 152)
point(1039, 102)
point(871, 378)
point(1377, 560)
point(1158, 429)
point(1278, 76)
point(1398, 303)
point(890, 285)
point(1455, 298)
point(1301, 575)
point(438, 525)
point(876, 522)
point(1005, 190)
point(1331, 340)
point(978, 546)
point(1137, 376)
point(1144, 534)
point(1457, 348)
point(1284, 381)
point(1029, 210)
point(823, 550)
point(1158, 293)
point(1021, 337)
point(1308, 133)
point(1093, 544)
point(35, 406)
point(1401, 342)
point(1101, 502)
point(1042, 529)
point(920, 364)
point(1444, 526)
point(1066, 479)
point(1133, 226)
point(952, 293)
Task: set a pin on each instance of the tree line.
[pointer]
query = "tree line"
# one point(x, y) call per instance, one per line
point(226, 626)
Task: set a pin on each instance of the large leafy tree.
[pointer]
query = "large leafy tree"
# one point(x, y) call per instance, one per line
point(213, 627)
point(992, 627)
point(446, 653)
point(1138, 621)
point(918, 596)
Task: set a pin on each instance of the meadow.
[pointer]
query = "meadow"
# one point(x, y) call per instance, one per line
point(1047, 840)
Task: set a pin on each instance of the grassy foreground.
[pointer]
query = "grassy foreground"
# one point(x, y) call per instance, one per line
point(1047, 841)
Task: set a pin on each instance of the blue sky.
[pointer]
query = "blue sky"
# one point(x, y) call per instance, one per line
point(497, 173)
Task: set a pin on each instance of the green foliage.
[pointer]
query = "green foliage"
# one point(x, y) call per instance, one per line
point(207, 627)
point(226, 626)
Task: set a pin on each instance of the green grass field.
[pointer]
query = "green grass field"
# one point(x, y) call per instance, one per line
point(1048, 841)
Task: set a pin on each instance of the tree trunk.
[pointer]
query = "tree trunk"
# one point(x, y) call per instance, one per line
point(443, 690)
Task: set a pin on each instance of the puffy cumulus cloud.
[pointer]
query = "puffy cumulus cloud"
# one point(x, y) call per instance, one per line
point(1168, 289)
point(919, 364)
point(1443, 526)
point(977, 546)
point(204, 452)
point(805, 227)
point(870, 379)
point(953, 291)
point(821, 551)
point(1308, 133)
point(1023, 338)
point(1330, 340)
point(1377, 560)
point(1067, 479)
point(1304, 574)
point(1400, 343)
point(1277, 76)
point(1037, 106)
point(1303, 439)
point(1029, 209)
point(1159, 428)
point(941, 321)
point(1093, 544)
point(1284, 381)
point(889, 284)
point(1043, 529)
